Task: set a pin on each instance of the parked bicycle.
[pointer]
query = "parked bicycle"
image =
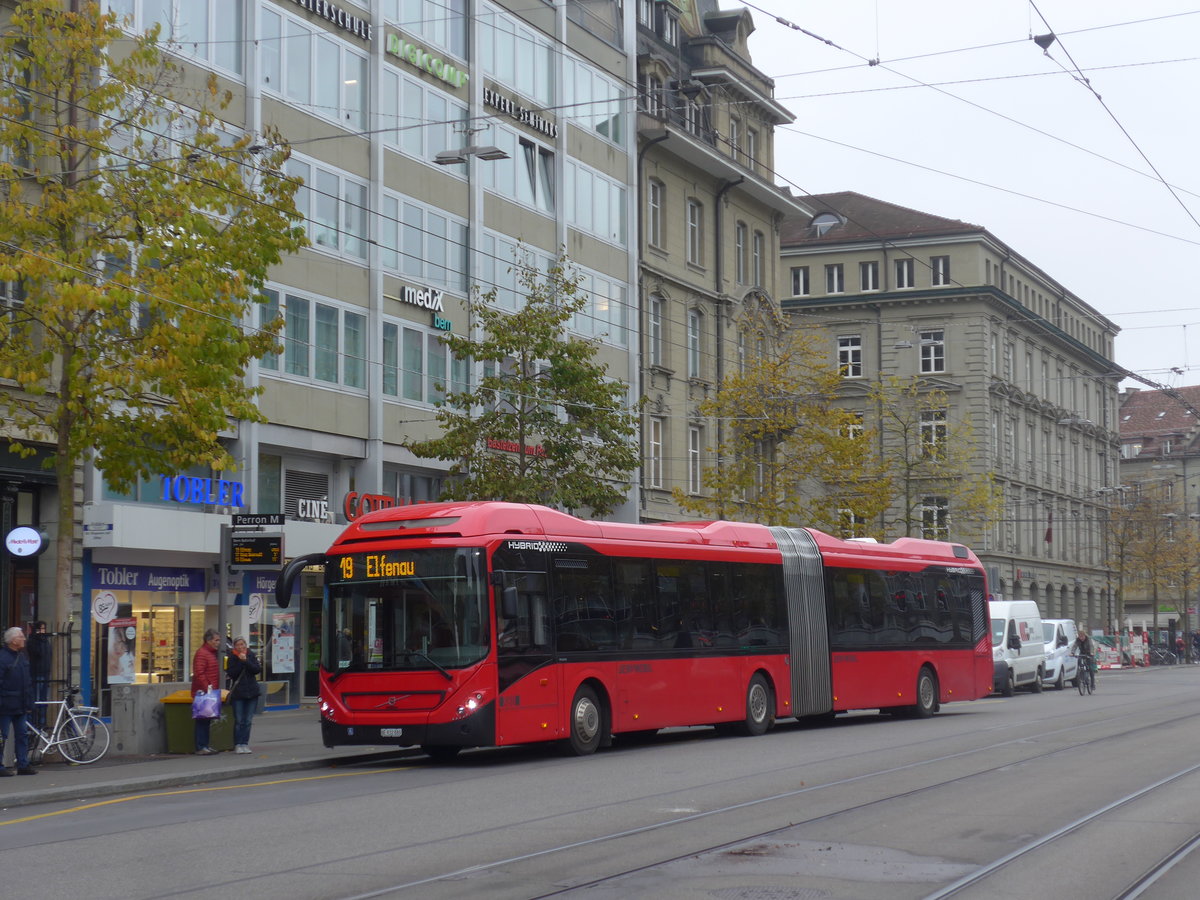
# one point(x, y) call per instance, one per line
point(1086, 680)
point(79, 735)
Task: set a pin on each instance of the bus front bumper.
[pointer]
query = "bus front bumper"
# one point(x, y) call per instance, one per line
point(475, 730)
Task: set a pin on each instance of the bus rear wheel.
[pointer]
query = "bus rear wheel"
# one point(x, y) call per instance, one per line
point(760, 707)
point(585, 727)
point(927, 695)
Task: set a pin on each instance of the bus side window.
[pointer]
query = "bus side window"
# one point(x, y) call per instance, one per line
point(524, 596)
point(634, 592)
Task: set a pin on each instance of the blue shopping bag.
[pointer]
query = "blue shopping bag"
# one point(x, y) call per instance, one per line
point(207, 704)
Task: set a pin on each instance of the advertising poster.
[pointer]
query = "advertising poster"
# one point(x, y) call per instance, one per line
point(122, 650)
point(283, 643)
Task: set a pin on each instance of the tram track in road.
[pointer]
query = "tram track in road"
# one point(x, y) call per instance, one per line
point(1139, 885)
point(708, 800)
point(1137, 731)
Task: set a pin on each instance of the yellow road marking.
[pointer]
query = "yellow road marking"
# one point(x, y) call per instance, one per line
point(196, 790)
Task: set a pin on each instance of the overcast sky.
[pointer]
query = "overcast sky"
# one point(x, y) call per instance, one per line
point(966, 117)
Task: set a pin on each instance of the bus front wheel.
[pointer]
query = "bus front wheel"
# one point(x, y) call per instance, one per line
point(585, 728)
point(760, 707)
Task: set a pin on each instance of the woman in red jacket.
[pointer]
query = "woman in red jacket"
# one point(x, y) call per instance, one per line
point(206, 674)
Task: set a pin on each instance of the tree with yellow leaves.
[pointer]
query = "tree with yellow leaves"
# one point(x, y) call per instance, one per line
point(136, 233)
point(789, 454)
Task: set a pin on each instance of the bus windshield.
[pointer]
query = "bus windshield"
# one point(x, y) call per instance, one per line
point(405, 610)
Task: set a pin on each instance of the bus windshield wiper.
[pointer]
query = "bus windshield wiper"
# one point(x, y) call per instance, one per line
point(423, 656)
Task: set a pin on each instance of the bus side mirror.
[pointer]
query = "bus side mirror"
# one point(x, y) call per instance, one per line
point(1014, 643)
point(508, 602)
point(287, 577)
point(1062, 641)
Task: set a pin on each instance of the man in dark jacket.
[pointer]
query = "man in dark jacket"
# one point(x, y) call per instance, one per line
point(16, 698)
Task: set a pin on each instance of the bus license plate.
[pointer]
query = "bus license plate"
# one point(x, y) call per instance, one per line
point(391, 732)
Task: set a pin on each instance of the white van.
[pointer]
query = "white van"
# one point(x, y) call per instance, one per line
point(1018, 652)
point(1059, 638)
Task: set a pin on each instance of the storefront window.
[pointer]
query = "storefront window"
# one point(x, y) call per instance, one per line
point(145, 622)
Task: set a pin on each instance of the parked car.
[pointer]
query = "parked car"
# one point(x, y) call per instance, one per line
point(1018, 653)
point(1061, 666)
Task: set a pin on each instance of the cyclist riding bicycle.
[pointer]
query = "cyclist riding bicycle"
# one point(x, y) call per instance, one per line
point(1084, 648)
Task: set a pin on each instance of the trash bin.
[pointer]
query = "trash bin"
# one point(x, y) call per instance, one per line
point(181, 732)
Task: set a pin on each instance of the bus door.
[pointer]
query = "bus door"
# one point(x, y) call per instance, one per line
point(530, 706)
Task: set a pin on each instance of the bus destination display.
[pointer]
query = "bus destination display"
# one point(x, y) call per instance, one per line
point(375, 565)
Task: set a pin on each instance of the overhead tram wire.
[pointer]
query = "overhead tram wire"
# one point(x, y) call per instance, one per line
point(1079, 76)
point(974, 47)
point(630, 97)
point(788, 24)
point(995, 187)
point(498, 259)
point(875, 63)
point(633, 96)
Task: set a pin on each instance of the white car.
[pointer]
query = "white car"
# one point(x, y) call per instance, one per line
point(1061, 666)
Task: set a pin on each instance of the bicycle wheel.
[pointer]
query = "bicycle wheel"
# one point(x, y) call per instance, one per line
point(37, 745)
point(84, 739)
point(1081, 680)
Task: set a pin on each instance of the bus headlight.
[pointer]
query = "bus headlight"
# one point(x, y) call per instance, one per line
point(471, 704)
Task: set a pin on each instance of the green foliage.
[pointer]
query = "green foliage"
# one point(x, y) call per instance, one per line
point(545, 397)
point(789, 454)
point(141, 236)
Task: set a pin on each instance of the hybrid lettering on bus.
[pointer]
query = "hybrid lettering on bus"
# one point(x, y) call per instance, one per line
point(451, 625)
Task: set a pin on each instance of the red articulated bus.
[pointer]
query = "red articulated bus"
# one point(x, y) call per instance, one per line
point(477, 624)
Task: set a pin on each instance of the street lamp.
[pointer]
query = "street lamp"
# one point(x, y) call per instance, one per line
point(461, 154)
point(453, 157)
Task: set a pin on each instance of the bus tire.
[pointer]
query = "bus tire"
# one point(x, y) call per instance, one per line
point(1036, 687)
point(760, 707)
point(440, 753)
point(1010, 686)
point(585, 728)
point(927, 694)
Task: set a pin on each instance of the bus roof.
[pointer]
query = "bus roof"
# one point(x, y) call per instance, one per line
point(481, 518)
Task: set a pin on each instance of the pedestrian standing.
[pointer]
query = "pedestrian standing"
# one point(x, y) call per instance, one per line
point(242, 674)
point(206, 675)
point(16, 698)
point(40, 658)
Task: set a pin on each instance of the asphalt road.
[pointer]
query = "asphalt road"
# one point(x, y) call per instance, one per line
point(1007, 798)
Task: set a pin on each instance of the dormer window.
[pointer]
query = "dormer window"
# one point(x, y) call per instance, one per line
point(668, 28)
point(823, 222)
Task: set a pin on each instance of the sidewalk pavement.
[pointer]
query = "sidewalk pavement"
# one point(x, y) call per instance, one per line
point(282, 741)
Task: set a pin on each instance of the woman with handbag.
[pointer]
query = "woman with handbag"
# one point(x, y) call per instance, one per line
point(206, 675)
point(242, 672)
